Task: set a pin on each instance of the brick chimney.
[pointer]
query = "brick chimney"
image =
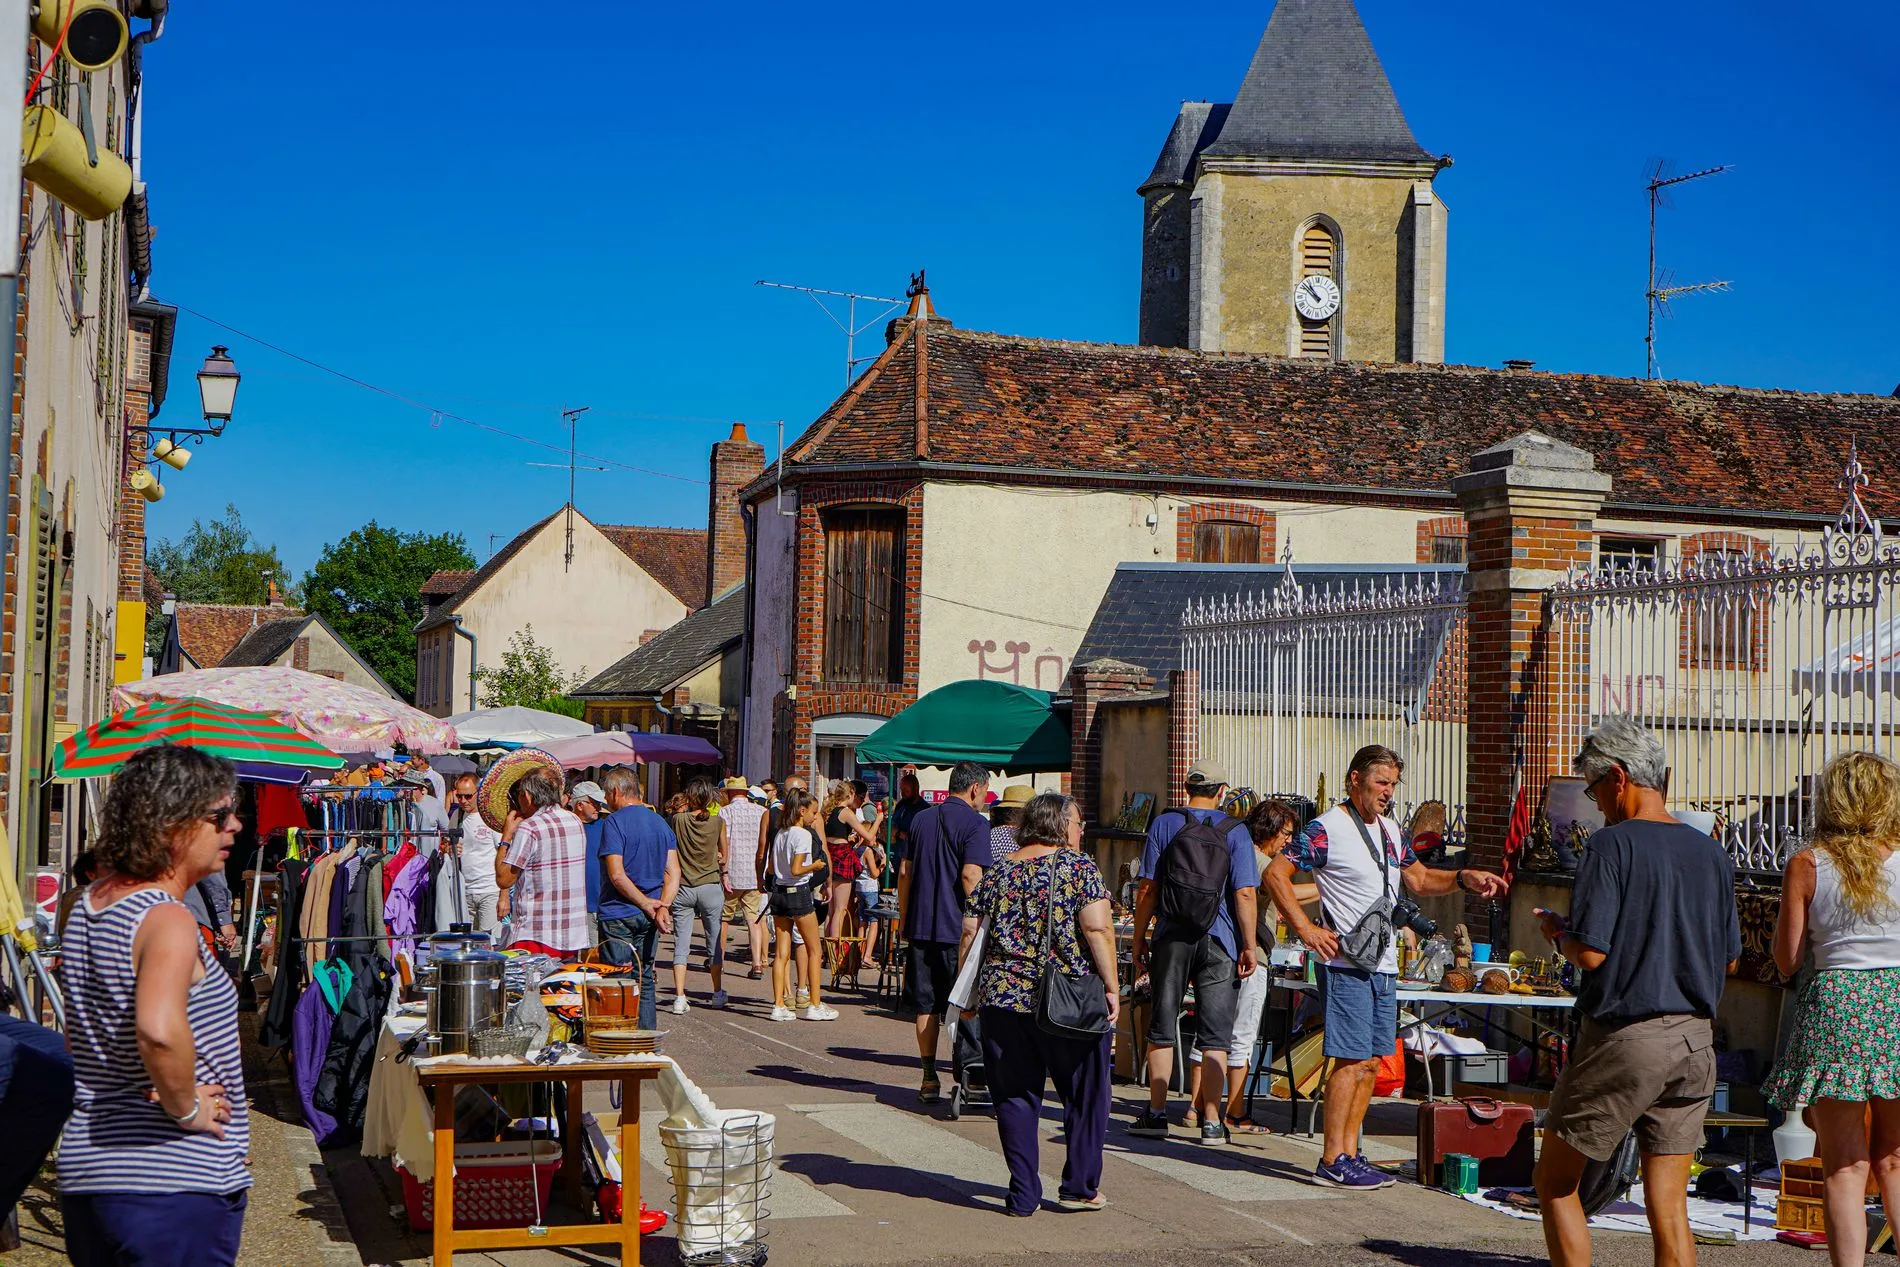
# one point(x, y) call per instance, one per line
point(736, 461)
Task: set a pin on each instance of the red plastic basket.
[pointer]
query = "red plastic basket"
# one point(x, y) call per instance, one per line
point(495, 1185)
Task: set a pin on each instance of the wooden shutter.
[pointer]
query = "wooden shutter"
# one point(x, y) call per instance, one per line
point(1226, 541)
point(1318, 256)
point(864, 580)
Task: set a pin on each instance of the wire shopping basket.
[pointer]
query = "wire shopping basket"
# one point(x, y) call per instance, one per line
point(721, 1176)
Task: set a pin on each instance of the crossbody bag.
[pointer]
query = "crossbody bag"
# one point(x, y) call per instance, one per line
point(1066, 1006)
point(1364, 946)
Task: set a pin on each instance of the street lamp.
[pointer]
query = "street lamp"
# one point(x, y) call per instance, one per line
point(217, 387)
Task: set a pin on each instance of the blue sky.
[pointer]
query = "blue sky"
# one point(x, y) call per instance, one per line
point(498, 217)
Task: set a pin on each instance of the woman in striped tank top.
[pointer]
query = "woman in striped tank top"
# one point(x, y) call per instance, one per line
point(153, 1165)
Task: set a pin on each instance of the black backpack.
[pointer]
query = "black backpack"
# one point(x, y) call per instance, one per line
point(1192, 873)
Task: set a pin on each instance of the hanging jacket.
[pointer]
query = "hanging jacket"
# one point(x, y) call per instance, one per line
point(342, 1088)
point(287, 981)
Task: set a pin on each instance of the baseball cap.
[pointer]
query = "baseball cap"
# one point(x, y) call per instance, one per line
point(588, 790)
point(1207, 772)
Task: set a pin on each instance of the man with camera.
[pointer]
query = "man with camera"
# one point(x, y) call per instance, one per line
point(1363, 867)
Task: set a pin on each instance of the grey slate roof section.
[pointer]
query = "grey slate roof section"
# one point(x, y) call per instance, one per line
point(265, 643)
point(1139, 618)
point(673, 655)
point(1316, 90)
point(1194, 129)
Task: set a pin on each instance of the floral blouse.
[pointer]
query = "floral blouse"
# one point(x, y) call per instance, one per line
point(1015, 896)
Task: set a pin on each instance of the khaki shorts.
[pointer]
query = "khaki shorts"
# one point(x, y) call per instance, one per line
point(1655, 1076)
point(751, 901)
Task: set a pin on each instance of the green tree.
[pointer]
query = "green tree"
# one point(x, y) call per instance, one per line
point(530, 676)
point(219, 561)
point(368, 587)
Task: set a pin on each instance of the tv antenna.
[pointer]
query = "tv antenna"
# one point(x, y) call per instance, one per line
point(572, 418)
point(849, 322)
point(1661, 290)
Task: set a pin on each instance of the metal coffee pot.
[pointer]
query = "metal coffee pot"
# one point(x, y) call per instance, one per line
point(463, 983)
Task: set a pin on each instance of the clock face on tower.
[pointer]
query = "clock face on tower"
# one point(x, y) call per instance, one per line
point(1317, 297)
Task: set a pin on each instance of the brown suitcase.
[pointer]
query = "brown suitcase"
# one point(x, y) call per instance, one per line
point(1500, 1135)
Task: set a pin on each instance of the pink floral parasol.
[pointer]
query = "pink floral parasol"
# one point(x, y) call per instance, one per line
point(340, 716)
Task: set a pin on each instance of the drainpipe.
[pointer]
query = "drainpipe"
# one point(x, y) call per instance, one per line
point(456, 622)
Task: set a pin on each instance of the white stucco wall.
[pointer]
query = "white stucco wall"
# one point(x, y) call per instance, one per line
point(590, 615)
point(774, 588)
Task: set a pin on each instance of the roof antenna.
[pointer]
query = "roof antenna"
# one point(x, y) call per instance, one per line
point(850, 324)
point(1660, 291)
point(572, 418)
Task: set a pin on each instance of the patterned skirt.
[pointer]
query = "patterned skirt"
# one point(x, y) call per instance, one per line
point(1846, 1043)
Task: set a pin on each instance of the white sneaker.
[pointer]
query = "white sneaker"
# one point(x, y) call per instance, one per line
point(782, 1013)
point(680, 1005)
point(818, 1012)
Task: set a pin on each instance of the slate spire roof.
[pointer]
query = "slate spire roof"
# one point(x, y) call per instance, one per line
point(1316, 90)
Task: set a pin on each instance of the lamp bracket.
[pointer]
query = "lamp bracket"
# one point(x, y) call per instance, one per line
point(196, 434)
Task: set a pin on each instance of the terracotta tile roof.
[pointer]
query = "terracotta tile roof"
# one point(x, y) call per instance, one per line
point(675, 557)
point(208, 631)
point(446, 582)
point(1171, 417)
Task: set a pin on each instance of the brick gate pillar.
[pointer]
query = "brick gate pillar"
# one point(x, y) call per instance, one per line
point(1184, 729)
point(1531, 503)
point(1089, 685)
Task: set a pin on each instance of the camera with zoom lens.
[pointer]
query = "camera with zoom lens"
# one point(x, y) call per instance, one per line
point(1406, 914)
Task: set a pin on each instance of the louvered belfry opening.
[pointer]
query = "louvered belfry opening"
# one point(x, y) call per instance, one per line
point(864, 595)
point(1319, 256)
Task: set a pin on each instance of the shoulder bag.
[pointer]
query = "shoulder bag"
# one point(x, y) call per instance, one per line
point(1365, 944)
point(1066, 1006)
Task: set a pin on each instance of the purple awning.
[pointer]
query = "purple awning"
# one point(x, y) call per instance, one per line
point(617, 747)
point(683, 749)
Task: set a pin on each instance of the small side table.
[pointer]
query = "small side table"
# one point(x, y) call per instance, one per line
point(1747, 1125)
point(442, 1081)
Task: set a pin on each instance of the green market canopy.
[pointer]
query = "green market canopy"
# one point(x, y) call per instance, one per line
point(998, 725)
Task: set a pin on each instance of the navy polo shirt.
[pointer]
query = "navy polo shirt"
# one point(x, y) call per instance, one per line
point(943, 840)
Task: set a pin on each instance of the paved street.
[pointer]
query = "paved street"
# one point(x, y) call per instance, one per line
point(869, 1176)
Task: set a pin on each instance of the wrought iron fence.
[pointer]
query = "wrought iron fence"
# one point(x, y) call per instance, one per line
point(1293, 681)
point(1753, 663)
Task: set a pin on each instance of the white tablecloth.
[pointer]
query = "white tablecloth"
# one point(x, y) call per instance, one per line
point(400, 1125)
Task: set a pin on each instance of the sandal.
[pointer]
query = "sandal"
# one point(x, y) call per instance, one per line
point(1191, 1119)
point(1081, 1206)
point(1246, 1126)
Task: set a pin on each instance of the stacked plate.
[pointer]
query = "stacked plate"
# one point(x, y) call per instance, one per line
point(623, 1042)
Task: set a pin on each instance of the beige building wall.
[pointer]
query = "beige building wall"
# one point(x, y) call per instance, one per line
point(1391, 233)
point(72, 390)
point(328, 656)
point(590, 615)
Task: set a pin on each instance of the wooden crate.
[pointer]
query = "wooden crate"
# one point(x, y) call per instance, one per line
point(1800, 1207)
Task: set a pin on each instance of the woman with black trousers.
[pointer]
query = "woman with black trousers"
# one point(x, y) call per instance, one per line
point(1016, 895)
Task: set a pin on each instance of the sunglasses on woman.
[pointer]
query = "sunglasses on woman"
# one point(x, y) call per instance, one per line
point(216, 817)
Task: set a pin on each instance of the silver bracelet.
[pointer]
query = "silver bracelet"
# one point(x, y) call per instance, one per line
point(196, 1104)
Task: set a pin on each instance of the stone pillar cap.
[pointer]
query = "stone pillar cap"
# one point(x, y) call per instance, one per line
point(1531, 460)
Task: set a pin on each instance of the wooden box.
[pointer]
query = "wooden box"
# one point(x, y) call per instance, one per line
point(1800, 1207)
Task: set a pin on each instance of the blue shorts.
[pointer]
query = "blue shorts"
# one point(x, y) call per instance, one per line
point(1362, 1013)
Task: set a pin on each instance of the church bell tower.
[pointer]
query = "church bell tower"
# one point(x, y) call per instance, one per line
point(1301, 219)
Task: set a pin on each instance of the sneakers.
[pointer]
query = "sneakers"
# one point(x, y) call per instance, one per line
point(1347, 1171)
point(680, 1005)
point(719, 998)
point(931, 1090)
point(819, 1012)
point(804, 997)
point(1150, 1125)
point(782, 1013)
point(1213, 1134)
point(1385, 1180)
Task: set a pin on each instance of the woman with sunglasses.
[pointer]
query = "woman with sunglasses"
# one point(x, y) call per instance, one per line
point(152, 1163)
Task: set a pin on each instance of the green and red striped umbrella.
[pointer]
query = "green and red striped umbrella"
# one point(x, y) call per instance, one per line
point(104, 746)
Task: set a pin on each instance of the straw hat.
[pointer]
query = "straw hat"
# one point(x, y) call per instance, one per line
point(495, 794)
point(1017, 794)
point(735, 784)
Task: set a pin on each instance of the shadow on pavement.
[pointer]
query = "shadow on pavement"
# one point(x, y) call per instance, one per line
point(1448, 1255)
point(868, 1056)
point(894, 1180)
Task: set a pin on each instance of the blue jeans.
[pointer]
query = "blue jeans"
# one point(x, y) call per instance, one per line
point(36, 1095)
point(152, 1229)
point(621, 940)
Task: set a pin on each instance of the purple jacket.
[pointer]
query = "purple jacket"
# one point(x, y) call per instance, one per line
point(403, 908)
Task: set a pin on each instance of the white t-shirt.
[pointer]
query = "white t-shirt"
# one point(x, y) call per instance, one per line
point(479, 842)
point(742, 835)
point(791, 845)
point(1349, 881)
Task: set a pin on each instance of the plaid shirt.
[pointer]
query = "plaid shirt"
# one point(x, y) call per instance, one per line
point(549, 903)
